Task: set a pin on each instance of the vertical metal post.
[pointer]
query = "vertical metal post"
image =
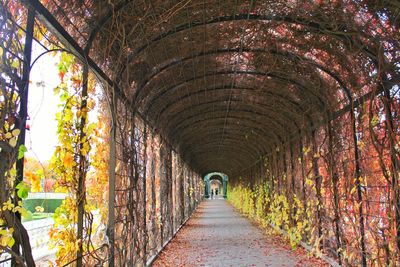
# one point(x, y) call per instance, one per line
point(292, 186)
point(335, 189)
point(206, 194)
point(170, 193)
point(318, 181)
point(182, 189)
point(303, 174)
point(225, 185)
point(23, 114)
point(144, 230)
point(161, 171)
point(81, 193)
point(111, 183)
point(209, 186)
point(395, 165)
point(357, 174)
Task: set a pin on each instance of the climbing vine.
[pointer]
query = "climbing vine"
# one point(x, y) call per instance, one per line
point(13, 85)
point(76, 141)
point(327, 199)
point(272, 210)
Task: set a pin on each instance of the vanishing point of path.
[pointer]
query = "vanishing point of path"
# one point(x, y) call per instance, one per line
point(217, 235)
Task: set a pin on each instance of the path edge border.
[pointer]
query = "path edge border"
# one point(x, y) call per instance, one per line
point(307, 247)
point(150, 261)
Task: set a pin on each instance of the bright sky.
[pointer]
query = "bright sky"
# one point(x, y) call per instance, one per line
point(42, 107)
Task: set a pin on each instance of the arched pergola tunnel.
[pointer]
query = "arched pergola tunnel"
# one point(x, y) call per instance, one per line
point(295, 101)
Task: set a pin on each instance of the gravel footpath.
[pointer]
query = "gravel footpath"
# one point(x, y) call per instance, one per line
point(217, 235)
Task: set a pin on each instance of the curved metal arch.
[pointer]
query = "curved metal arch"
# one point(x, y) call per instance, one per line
point(215, 122)
point(297, 84)
point(258, 104)
point(230, 88)
point(205, 163)
point(216, 147)
point(274, 51)
point(195, 117)
point(216, 178)
point(254, 150)
point(223, 176)
point(206, 166)
point(235, 134)
point(229, 167)
point(206, 121)
point(203, 53)
point(227, 154)
point(262, 107)
point(239, 17)
point(199, 151)
point(225, 162)
point(102, 21)
point(275, 133)
point(211, 171)
point(165, 110)
point(177, 121)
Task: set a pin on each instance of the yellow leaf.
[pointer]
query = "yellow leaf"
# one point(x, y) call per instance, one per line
point(16, 132)
point(68, 160)
point(353, 190)
point(361, 144)
point(23, 212)
point(299, 225)
point(8, 135)
point(10, 242)
point(13, 142)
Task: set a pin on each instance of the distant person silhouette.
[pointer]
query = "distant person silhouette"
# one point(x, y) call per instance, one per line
point(216, 191)
point(212, 193)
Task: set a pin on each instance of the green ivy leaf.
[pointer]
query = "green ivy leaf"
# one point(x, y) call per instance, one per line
point(23, 190)
point(21, 151)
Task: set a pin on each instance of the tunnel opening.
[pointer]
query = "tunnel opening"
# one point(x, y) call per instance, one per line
point(215, 180)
